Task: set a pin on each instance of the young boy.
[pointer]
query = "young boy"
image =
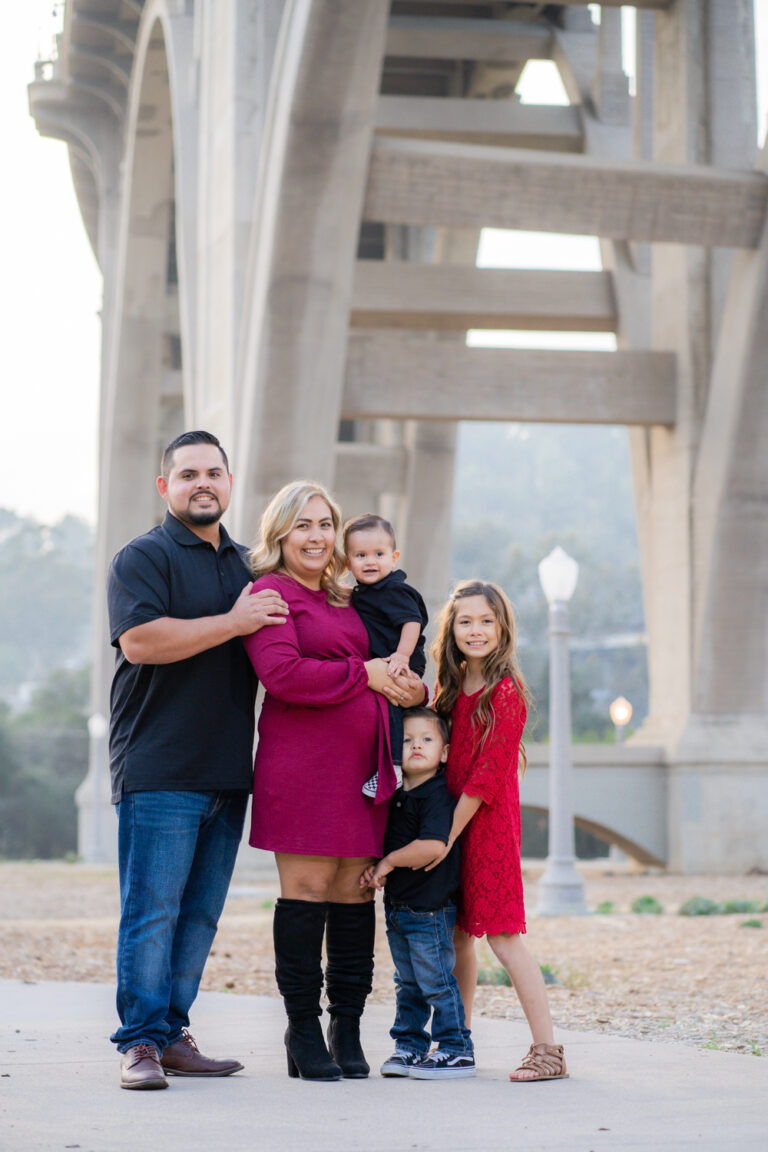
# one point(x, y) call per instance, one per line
point(394, 614)
point(420, 910)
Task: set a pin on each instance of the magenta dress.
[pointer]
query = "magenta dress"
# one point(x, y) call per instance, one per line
point(322, 731)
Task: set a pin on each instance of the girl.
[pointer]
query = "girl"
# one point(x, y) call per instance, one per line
point(481, 688)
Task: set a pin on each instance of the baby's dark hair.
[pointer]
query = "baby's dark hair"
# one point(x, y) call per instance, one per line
point(424, 713)
point(366, 523)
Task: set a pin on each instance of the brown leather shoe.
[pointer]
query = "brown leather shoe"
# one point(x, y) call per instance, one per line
point(185, 1059)
point(140, 1068)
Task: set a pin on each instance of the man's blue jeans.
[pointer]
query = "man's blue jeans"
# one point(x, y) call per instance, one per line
point(176, 853)
point(421, 944)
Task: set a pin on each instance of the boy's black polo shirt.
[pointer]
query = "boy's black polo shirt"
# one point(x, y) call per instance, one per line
point(423, 813)
point(384, 608)
point(187, 725)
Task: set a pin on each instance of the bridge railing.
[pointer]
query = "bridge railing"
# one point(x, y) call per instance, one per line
point(619, 794)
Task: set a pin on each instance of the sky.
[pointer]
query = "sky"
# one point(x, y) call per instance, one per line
point(50, 285)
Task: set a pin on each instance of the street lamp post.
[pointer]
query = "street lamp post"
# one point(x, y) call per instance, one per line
point(561, 888)
point(621, 714)
point(97, 731)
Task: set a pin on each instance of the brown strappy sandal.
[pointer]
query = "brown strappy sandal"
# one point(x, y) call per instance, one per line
point(546, 1060)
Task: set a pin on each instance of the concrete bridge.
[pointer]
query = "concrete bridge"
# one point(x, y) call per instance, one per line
point(285, 198)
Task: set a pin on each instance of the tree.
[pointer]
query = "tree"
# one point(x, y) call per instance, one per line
point(43, 758)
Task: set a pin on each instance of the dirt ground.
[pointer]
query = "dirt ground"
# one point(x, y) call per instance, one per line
point(696, 980)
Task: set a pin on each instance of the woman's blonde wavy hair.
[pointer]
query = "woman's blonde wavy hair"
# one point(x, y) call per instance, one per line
point(501, 662)
point(279, 518)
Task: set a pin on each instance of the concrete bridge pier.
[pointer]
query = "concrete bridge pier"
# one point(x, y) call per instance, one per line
point(285, 197)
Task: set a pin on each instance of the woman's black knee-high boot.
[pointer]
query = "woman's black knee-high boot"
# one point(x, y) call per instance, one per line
point(298, 932)
point(349, 938)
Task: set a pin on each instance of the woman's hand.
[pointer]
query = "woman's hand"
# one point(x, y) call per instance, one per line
point(404, 689)
point(380, 680)
point(411, 689)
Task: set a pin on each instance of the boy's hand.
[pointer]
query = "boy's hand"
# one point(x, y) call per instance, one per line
point(397, 664)
point(376, 875)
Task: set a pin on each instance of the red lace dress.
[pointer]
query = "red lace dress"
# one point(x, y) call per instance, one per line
point(491, 893)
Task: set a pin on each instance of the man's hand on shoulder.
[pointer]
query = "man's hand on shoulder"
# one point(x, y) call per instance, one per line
point(252, 611)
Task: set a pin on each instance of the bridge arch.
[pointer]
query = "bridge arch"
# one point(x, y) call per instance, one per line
point(396, 120)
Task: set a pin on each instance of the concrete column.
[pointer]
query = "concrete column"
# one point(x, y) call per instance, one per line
point(134, 220)
point(306, 224)
point(236, 43)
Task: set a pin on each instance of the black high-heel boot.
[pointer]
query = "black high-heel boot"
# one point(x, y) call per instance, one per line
point(298, 933)
point(349, 938)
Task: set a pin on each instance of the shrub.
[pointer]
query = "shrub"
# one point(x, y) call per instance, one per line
point(739, 906)
point(699, 906)
point(549, 973)
point(751, 924)
point(647, 906)
point(605, 908)
point(495, 976)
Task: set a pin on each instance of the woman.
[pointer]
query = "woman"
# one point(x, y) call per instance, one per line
point(322, 733)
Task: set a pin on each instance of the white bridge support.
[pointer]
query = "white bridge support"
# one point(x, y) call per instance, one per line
point(285, 198)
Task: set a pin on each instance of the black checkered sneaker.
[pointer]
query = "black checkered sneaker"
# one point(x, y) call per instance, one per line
point(400, 1063)
point(440, 1065)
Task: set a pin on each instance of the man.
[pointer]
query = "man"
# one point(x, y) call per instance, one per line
point(181, 741)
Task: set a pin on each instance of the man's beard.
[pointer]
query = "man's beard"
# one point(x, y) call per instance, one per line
point(202, 519)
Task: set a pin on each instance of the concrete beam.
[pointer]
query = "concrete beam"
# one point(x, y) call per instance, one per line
point(449, 38)
point(496, 122)
point(306, 225)
point(376, 467)
point(462, 186)
point(453, 298)
point(620, 794)
point(654, 5)
point(403, 378)
point(658, 5)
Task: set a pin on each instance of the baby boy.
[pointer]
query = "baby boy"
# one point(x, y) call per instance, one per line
point(393, 613)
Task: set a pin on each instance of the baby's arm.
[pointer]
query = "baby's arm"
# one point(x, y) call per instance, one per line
point(413, 855)
point(409, 638)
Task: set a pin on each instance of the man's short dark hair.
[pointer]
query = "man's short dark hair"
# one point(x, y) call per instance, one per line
point(367, 523)
point(424, 713)
point(182, 441)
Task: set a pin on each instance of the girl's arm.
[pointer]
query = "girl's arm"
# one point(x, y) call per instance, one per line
point(463, 813)
point(413, 855)
point(496, 758)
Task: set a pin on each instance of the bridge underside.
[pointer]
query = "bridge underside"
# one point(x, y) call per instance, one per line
point(285, 197)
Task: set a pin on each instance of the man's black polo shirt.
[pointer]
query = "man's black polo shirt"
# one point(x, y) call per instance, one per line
point(423, 813)
point(186, 726)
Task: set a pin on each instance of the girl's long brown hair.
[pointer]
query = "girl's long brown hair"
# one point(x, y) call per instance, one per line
point(500, 663)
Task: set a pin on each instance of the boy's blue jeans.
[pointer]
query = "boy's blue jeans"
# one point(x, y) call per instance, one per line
point(176, 853)
point(421, 944)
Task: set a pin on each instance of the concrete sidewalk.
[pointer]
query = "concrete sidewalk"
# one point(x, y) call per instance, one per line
point(59, 1090)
